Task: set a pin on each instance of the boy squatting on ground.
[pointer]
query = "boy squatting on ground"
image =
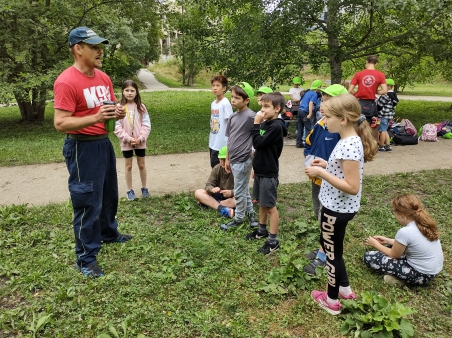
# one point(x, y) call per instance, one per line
point(220, 111)
point(219, 191)
point(319, 144)
point(385, 106)
point(268, 141)
point(239, 157)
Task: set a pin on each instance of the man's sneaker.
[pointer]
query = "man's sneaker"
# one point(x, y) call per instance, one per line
point(230, 225)
point(393, 280)
point(310, 269)
point(92, 270)
point(252, 219)
point(269, 248)
point(388, 148)
point(145, 192)
point(121, 238)
point(312, 255)
point(131, 195)
point(321, 297)
point(381, 149)
point(227, 212)
point(256, 235)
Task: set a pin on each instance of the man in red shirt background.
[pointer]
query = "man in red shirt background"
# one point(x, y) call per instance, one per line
point(368, 82)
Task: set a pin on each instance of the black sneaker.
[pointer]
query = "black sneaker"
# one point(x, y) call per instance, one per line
point(232, 224)
point(92, 270)
point(269, 248)
point(310, 269)
point(253, 222)
point(121, 238)
point(256, 235)
point(388, 148)
point(312, 255)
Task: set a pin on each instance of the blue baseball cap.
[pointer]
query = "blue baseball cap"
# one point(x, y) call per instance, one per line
point(86, 35)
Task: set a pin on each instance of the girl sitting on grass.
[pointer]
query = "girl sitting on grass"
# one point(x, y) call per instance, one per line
point(415, 255)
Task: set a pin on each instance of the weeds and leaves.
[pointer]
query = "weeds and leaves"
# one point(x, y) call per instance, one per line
point(372, 315)
point(181, 276)
point(289, 277)
point(39, 322)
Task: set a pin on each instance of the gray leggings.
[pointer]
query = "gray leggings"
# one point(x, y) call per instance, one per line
point(400, 268)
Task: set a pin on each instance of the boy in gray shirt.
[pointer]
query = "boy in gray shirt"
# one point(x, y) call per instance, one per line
point(239, 159)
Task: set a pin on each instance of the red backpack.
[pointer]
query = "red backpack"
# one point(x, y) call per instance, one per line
point(409, 127)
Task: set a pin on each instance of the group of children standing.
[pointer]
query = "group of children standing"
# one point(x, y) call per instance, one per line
point(244, 144)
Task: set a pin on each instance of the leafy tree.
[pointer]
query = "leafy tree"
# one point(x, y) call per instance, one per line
point(257, 40)
point(34, 50)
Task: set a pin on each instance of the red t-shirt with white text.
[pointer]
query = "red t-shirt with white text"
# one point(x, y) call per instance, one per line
point(83, 95)
point(368, 81)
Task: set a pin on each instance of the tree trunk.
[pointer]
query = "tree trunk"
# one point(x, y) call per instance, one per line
point(336, 69)
point(334, 50)
point(34, 109)
point(39, 102)
point(25, 107)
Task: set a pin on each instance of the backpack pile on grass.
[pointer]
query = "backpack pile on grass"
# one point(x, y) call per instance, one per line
point(444, 129)
point(403, 133)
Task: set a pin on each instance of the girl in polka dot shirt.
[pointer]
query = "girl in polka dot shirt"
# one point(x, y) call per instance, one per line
point(340, 193)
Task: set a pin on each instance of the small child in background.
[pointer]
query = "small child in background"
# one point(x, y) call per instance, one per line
point(239, 157)
point(219, 191)
point(306, 113)
point(386, 110)
point(415, 256)
point(268, 141)
point(295, 94)
point(261, 92)
point(319, 144)
point(340, 193)
point(133, 132)
point(220, 111)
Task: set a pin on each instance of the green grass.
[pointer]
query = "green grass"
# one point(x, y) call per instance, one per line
point(167, 72)
point(180, 123)
point(429, 89)
point(181, 276)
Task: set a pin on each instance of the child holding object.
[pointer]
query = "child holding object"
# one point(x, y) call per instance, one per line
point(133, 132)
point(219, 191)
point(415, 255)
point(268, 141)
point(340, 193)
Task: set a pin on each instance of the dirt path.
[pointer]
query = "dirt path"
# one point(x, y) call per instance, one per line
point(43, 184)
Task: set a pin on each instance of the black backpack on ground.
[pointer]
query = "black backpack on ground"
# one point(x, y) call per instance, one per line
point(405, 139)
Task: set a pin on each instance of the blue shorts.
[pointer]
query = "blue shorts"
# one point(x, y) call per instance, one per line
point(384, 123)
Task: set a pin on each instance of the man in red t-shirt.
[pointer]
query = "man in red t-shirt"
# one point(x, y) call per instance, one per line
point(368, 81)
point(90, 158)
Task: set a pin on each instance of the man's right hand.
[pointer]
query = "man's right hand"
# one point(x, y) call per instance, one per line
point(106, 112)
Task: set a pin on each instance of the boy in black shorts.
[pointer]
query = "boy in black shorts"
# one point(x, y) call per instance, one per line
point(268, 141)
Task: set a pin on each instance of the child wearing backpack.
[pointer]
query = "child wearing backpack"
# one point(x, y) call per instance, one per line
point(385, 105)
point(340, 193)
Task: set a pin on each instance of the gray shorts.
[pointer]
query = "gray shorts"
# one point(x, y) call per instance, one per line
point(265, 190)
